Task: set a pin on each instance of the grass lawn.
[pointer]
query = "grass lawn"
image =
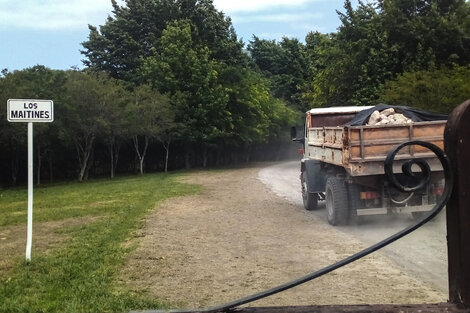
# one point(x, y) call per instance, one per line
point(80, 274)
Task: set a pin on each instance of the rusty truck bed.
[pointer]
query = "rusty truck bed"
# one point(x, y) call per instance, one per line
point(361, 150)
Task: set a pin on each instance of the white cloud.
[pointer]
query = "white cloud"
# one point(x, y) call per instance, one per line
point(76, 14)
point(52, 14)
point(230, 6)
point(281, 18)
point(275, 36)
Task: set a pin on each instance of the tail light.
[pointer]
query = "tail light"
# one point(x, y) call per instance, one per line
point(367, 195)
point(437, 191)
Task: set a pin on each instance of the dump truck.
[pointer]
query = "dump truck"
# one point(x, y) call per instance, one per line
point(343, 162)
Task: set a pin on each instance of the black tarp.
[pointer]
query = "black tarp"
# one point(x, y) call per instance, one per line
point(415, 115)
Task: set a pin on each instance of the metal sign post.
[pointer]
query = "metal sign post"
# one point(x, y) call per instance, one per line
point(29, 237)
point(30, 111)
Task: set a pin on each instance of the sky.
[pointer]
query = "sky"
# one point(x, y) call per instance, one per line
point(50, 32)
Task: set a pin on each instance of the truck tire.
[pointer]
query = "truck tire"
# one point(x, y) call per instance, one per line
point(310, 199)
point(337, 207)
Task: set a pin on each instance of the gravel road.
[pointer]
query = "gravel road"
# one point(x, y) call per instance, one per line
point(241, 236)
point(422, 254)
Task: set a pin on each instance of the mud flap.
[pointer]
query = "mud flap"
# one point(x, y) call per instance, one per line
point(316, 178)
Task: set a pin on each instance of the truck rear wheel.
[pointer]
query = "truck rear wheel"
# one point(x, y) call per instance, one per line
point(310, 199)
point(336, 201)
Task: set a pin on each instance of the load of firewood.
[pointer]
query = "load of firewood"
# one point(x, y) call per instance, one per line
point(388, 117)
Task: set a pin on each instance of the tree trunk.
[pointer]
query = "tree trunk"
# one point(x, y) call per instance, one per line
point(14, 167)
point(247, 153)
point(84, 152)
point(141, 166)
point(81, 173)
point(141, 156)
point(89, 165)
point(278, 151)
point(205, 152)
point(187, 158)
point(113, 148)
point(166, 145)
point(219, 158)
point(51, 177)
point(117, 148)
point(111, 154)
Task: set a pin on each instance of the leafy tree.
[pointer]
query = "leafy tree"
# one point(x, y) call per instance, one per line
point(436, 90)
point(284, 64)
point(12, 135)
point(184, 70)
point(348, 67)
point(84, 115)
point(37, 82)
point(426, 33)
point(115, 123)
point(149, 117)
point(325, 71)
point(378, 41)
point(133, 31)
point(185, 48)
point(166, 138)
point(266, 54)
point(361, 38)
point(256, 116)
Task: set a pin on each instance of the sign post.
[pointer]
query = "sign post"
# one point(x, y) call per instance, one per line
point(30, 111)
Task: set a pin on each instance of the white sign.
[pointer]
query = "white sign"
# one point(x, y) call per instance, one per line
point(28, 110)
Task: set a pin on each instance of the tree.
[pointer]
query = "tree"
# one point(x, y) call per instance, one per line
point(346, 68)
point(150, 118)
point(115, 122)
point(12, 135)
point(184, 48)
point(284, 64)
point(184, 70)
point(378, 41)
point(84, 115)
point(37, 82)
point(426, 33)
point(436, 90)
point(256, 116)
point(325, 71)
point(132, 33)
point(166, 138)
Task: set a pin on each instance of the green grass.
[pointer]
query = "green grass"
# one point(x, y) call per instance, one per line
point(81, 275)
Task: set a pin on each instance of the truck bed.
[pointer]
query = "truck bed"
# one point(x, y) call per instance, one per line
point(361, 150)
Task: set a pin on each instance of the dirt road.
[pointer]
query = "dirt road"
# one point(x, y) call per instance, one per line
point(423, 254)
point(238, 237)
